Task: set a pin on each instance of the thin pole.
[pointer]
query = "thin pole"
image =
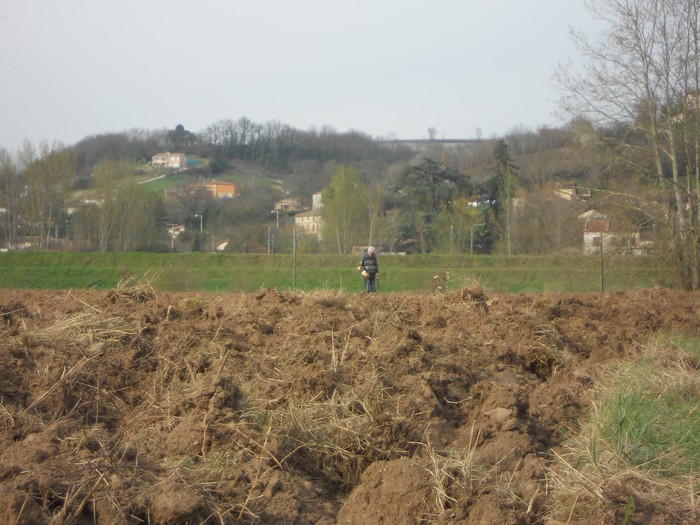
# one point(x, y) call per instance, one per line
point(294, 258)
point(452, 234)
point(471, 240)
point(602, 268)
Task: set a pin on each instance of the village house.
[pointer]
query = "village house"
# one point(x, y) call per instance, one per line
point(218, 189)
point(571, 193)
point(175, 230)
point(288, 205)
point(169, 160)
point(594, 236)
point(600, 239)
point(311, 222)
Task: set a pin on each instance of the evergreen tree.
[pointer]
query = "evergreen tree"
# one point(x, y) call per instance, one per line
point(507, 184)
point(428, 189)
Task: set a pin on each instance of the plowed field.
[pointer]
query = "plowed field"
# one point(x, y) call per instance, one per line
point(136, 406)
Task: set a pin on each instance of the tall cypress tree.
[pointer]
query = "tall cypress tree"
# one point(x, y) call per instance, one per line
point(507, 175)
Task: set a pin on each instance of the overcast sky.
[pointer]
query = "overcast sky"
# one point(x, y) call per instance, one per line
point(388, 68)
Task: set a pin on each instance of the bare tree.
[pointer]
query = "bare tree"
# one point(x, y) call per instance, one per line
point(191, 199)
point(47, 179)
point(223, 135)
point(10, 190)
point(639, 89)
point(305, 179)
point(373, 203)
point(545, 223)
point(123, 216)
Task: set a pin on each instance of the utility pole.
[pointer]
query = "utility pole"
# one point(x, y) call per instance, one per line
point(294, 252)
point(602, 266)
point(269, 239)
point(270, 243)
point(452, 235)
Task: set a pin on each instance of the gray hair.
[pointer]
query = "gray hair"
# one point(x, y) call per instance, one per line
point(371, 250)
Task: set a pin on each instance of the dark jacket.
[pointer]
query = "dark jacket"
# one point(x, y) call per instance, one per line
point(369, 264)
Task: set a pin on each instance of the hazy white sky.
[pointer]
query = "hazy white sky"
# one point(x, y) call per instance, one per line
point(73, 68)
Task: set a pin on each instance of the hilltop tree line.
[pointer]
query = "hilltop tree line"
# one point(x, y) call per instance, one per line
point(414, 198)
point(373, 191)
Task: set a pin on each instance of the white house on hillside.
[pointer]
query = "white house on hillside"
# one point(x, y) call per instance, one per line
point(169, 160)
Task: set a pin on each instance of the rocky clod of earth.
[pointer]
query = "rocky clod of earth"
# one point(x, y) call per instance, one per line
point(135, 406)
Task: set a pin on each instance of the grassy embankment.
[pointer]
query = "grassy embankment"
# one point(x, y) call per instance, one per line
point(250, 272)
point(642, 439)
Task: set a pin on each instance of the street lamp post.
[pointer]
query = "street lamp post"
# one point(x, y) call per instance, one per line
point(172, 236)
point(200, 222)
point(278, 217)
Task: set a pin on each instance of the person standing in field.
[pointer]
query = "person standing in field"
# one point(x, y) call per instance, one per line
point(370, 269)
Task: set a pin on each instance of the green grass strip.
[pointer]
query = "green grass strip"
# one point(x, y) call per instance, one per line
point(250, 272)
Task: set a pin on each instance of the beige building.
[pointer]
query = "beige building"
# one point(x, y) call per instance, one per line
point(169, 160)
point(290, 204)
point(311, 222)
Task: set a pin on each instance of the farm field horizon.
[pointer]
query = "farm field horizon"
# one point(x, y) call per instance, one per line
point(210, 272)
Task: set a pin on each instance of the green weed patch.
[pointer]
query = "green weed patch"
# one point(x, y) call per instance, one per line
point(641, 440)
